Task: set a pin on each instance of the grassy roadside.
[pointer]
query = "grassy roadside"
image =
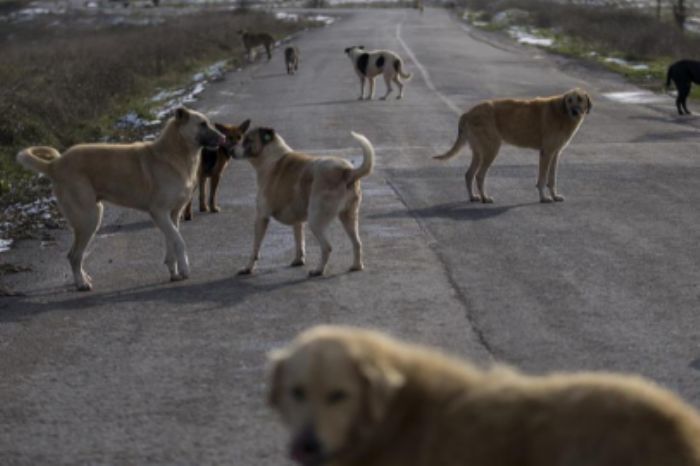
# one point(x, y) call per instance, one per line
point(61, 86)
point(626, 41)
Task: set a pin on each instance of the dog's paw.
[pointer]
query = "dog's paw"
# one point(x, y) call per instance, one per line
point(356, 268)
point(558, 198)
point(245, 271)
point(177, 278)
point(383, 98)
point(203, 208)
point(487, 200)
point(315, 273)
point(297, 263)
point(187, 218)
point(399, 97)
point(214, 209)
point(546, 200)
point(85, 287)
point(474, 198)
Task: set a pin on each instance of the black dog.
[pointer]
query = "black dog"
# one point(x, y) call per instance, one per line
point(683, 73)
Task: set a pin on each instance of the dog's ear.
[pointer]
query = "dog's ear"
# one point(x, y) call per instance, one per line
point(182, 114)
point(267, 135)
point(347, 50)
point(590, 104)
point(243, 127)
point(382, 383)
point(275, 361)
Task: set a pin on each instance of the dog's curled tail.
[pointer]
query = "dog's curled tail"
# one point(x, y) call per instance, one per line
point(462, 139)
point(37, 158)
point(398, 66)
point(367, 162)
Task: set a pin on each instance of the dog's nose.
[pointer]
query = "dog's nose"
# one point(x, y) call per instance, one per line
point(306, 446)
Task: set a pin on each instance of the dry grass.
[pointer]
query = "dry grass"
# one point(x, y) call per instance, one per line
point(631, 33)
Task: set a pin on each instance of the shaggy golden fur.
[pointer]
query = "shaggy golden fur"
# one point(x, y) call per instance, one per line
point(546, 124)
point(295, 187)
point(156, 177)
point(353, 397)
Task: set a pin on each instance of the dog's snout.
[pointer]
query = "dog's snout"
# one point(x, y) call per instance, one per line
point(307, 447)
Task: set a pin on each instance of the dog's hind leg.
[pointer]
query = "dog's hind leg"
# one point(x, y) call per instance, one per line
point(552, 178)
point(188, 210)
point(213, 188)
point(683, 91)
point(400, 84)
point(469, 175)
point(387, 80)
point(175, 253)
point(320, 215)
point(349, 219)
point(261, 224)
point(299, 243)
point(362, 88)
point(84, 216)
point(487, 158)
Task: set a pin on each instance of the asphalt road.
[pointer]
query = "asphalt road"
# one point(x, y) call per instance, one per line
point(142, 371)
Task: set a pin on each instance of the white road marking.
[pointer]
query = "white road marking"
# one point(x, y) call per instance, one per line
point(426, 76)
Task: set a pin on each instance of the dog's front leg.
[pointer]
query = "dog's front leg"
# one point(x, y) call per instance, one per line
point(545, 161)
point(202, 194)
point(552, 178)
point(176, 256)
point(362, 88)
point(300, 248)
point(371, 89)
point(213, 187)
point(261, 224)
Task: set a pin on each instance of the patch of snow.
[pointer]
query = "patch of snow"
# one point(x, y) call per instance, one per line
point(133, 120)
point(5, 244)
point(635, 97)
point(525, 37)
point(284, 16)
point(626, 64)
point(327, 20)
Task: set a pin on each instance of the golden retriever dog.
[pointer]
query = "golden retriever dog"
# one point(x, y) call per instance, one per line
point(369, 64)
point(353, 397)
point(546, 124)
point(156, 177)
point(294, 188)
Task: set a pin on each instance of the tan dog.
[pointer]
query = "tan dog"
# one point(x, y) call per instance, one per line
point(156, 177)
point(252, 40)
point(354, 397)
point(546, 124)
point(295, 187)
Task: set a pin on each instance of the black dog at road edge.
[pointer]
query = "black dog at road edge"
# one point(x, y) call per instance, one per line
point(683, 73)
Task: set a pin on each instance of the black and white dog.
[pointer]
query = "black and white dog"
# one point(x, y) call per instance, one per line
point(370, 64)
point(683, 73)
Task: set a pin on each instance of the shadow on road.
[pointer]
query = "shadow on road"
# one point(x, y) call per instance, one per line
point(461, 211)
point(333, 102)
point(125, 228)
point(217, 294)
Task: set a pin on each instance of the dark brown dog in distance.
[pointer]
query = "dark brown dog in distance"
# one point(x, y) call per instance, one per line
point(546, 124)
point(212, 165)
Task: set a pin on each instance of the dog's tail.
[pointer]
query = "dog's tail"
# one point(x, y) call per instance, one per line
point(367, 162)
point(398, 67)
point(668, 79)
point(462, 139)
point(38, 158)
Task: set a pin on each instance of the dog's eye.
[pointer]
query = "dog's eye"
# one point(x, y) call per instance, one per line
point(298, 394)
point(336, 396)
